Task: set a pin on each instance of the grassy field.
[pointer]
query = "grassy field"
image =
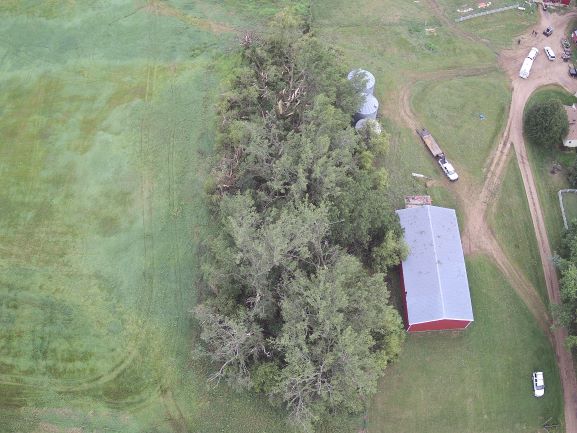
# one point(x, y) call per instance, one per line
point(518, 239)
point(453, 109)
point(570, 205)
point(108, 116)
point(473, 381)
point(542, 160)
point(107, 119)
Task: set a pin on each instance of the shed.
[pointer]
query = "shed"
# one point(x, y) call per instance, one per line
point(434, 277)
point(571, 139)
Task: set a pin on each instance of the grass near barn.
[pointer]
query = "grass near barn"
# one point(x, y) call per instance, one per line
point(517, 239)
point(474, 381)
point(466, 118)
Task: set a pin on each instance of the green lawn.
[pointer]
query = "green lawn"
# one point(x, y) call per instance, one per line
point(452, 109)
point(570, 205)
point(542, 159)
point(502, 30)
point(511, 222)
point(474, 381)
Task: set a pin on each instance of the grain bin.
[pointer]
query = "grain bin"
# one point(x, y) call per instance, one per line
point(369, 123)
point(368, 80)
point(368, 109)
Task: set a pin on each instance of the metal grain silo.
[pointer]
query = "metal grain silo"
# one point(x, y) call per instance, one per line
point(369, 123)
point(368, 80)
point(368, 109)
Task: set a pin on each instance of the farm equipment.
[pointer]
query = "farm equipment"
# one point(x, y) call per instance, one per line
point(434, 148)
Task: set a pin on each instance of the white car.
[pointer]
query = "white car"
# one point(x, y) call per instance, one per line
point(549, 53)
point(448, 168)
point(538, 383)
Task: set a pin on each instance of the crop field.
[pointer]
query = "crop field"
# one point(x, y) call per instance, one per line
point(108, 120)
point(454, 382)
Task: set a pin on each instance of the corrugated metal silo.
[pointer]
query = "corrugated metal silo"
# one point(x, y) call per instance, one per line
point(369, 123)
point(369, 80)
point(368, 109)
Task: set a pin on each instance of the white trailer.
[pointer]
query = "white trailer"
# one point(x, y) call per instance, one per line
point(528, 63)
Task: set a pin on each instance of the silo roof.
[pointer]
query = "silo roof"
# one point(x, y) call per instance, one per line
point(369, 78)
point(373, 124)
point(370, 105)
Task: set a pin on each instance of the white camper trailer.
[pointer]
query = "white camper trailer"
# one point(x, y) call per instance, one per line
point(528, 63)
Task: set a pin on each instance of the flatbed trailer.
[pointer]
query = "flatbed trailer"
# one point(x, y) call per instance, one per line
point(430, 142)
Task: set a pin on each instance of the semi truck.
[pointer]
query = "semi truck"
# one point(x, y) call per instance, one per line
point(439, 155)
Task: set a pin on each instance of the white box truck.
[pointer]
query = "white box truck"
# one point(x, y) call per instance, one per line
point(528, 63)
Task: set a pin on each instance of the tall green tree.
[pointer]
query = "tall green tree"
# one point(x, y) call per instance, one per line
point(546, 123)
point(295, 302)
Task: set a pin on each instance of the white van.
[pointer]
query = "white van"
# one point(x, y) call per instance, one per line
point(549, 53)
point(533, 53)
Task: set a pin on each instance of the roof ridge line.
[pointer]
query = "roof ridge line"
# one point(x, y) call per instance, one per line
point(436, 260)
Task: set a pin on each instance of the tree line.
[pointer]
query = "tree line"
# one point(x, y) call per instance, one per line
point(294, 299)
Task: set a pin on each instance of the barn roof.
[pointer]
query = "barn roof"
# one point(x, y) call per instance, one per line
point(434, 273)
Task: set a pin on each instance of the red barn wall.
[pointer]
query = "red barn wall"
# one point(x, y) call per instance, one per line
point(438, 325)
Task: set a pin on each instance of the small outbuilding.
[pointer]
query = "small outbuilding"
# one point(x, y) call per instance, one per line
point(571, 139)
point(434, 277)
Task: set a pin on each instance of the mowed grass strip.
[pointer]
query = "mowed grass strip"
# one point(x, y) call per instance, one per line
point(542, 160)
point(510, 220)
point(466, 116)
point(474, 381)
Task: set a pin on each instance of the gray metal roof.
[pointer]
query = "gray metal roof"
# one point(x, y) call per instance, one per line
point(434, 273)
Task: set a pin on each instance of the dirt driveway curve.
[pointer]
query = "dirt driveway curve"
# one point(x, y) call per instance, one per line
point(477, 237)
point(544, 72)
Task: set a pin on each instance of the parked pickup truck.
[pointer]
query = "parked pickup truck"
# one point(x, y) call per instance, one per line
point(434, 148)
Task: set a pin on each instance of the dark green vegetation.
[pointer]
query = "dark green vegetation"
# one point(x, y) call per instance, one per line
point(546, 124)
point(566, 313)
point(455, 381)
point(300, 207)
point(517, 238)
point(543, 161)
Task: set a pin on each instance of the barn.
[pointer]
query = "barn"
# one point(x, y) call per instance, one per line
point(434, 277)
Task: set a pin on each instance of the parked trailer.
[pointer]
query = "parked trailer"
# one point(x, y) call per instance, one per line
point(430, 142)
point(435, 149)
point(528, 63)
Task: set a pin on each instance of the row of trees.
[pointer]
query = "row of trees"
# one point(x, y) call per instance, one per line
point(295, 303)
point(566, 312)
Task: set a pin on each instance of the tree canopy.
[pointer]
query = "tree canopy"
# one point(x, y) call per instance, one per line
point(295, 303)
point(546, 123)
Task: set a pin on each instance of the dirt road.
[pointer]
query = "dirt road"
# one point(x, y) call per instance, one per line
point(477, 237)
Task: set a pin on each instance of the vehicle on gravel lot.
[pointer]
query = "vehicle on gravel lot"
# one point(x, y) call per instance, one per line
point(538, 384)
point(565, 44)
point(565, 56)
point(549, 53)
point(548, 31)
point(572, 71)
